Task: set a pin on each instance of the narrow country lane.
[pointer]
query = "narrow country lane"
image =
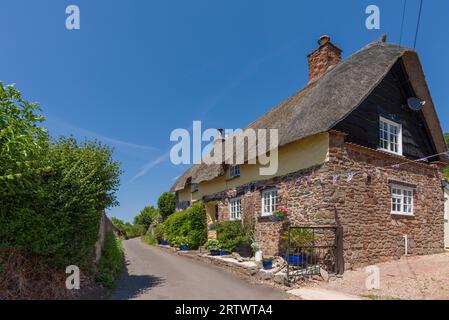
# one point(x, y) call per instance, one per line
point(153, 274)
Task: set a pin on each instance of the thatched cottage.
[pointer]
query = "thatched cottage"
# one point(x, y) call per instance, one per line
point(352, 153)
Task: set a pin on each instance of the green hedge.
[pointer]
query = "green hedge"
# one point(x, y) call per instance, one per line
point(187, 227)
point(52, 192)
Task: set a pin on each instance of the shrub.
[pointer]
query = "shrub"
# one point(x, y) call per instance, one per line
point(190, 224)
point(213, 245)
point(111, 261)
point(231, 234)
point(149, 239)
point(159, 232)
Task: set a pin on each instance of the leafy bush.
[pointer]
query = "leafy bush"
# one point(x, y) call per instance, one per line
point(149, 239)
point(159, 232)
point(190, 224)
point(111, 261)
point(231, 234)
point(213, 245)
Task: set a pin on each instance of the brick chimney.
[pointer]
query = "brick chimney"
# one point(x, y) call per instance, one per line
point(324, 58)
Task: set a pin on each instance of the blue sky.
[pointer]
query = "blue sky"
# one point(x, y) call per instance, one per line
point(136, 70)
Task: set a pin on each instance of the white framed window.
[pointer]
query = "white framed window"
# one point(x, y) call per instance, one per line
point(235, 209)
point(269, 202)
point(401, 200)
point(234, 171)
point(390, 136)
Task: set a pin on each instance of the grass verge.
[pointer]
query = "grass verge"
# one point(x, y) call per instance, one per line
point(111, 261)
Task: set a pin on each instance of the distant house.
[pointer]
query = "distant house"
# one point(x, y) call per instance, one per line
point(348, 145)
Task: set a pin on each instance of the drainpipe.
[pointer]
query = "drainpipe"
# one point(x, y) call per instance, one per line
point(406, 244)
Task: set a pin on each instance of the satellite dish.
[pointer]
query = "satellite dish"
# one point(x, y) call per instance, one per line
point(415, 104)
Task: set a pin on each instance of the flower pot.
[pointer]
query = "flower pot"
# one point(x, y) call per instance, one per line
point(296, 260)
point(267, 264)
point(223, 253)
point(214, 252)
point(275, 219)
point(184, 248)
point(164, 242)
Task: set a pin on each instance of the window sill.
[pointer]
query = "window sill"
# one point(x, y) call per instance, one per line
point(403, 215)
point(391, 152)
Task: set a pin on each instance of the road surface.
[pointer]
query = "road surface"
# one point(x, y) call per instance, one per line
point(154, 274)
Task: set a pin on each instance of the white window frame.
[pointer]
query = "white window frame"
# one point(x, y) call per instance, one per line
point(389, 144)
point(235, 209)
point(234, 171)
point(402, 200)
point(269, 202)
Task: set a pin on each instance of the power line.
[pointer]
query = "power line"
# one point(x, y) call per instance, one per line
point(417, 25)
point(402, 23)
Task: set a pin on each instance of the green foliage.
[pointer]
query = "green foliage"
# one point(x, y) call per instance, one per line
point(166, 204)
point(187, 226)
point(299, 238)
point(148, 216)
point(149, 239)
point(127, 229)
point(213, 245)
point(231, 234)
point(134, 231)
point(159, 232)
point(52, 193)
point(111, 261)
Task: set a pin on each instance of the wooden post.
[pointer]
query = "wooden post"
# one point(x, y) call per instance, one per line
point(340, 263)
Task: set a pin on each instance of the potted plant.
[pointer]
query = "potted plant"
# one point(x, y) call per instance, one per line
point(164, 242)
point(300, 243)
point(267, 263)
point(182, 242)
point(214, 247)
point(280, 214)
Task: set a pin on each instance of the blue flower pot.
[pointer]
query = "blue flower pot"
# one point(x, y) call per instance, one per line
point(223, 253)
point(214, 252)
point(184, 248)
point(164, 242)
point(296, 260)
point(267, 264)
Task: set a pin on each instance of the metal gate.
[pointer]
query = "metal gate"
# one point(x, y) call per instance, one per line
point(312, 248)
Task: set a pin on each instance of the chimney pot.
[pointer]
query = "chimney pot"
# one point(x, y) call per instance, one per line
point(324, 58)
point(323, 40)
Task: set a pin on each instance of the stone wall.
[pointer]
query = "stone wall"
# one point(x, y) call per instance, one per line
point(361, 205)
point(106, 227)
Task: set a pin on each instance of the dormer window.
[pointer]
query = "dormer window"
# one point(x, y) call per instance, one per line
point(390, 139)
point(234, 171)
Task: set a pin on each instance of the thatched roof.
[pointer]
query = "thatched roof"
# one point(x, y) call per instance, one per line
point(323, 103)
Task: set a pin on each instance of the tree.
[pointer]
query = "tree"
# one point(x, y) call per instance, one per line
point(147, 216)
point(166, 204)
